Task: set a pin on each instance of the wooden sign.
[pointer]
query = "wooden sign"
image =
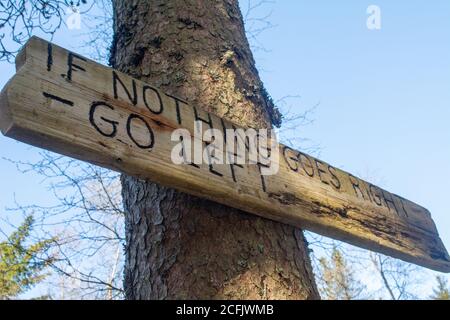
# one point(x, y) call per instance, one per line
point(66, 103)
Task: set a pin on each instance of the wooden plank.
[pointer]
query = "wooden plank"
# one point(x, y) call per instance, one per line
point(66, 103)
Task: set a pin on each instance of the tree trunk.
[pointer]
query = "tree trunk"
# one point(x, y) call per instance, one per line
point(180, 246)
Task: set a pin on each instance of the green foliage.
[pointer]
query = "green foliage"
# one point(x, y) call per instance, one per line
point(337, 279)
point(21, 265)
point(442, 291)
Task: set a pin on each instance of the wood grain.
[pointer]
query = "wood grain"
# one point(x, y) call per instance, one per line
point(69, 104)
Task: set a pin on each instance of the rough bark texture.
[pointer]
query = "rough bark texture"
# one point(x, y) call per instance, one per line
point(180, 246)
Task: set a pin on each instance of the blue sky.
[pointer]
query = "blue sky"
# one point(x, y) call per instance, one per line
point(384, 95)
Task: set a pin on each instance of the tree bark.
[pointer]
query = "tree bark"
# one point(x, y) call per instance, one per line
point(180, 246)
